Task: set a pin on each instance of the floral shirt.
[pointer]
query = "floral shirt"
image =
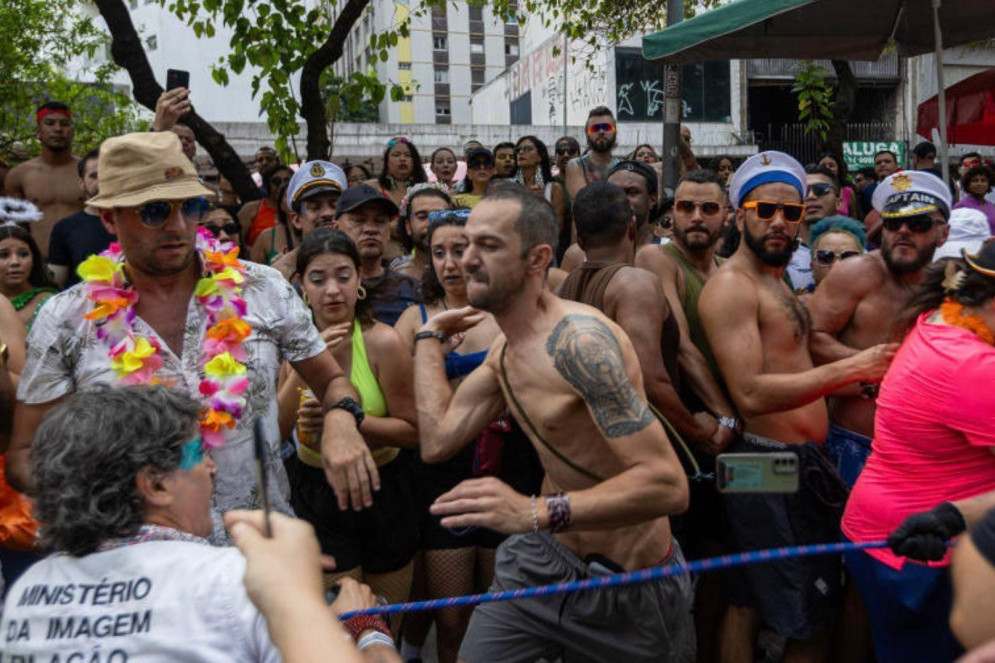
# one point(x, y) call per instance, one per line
point(64, 356)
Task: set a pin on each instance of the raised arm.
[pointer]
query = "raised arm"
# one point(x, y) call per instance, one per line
point(832, 307)
point(729, 309)
point(692, 362)
point(447, 421)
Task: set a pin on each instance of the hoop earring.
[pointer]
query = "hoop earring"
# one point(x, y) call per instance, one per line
point(361, 293)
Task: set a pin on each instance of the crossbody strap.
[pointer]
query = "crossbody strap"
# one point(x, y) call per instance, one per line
point(535, 433)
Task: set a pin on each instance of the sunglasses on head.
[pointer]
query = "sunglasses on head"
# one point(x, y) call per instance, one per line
point(600, 127)
point(231, 229)
point(156, 213)
point(828, 257)
point(394, 141)
point(448, 215)
point(767, 210)
point(688, 207)
point(820, 189)
point(919, 223)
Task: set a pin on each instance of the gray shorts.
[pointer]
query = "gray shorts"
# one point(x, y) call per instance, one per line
point(643, 622)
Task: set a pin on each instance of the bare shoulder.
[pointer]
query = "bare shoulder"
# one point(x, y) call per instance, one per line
point(860, 274)
point(383, 338)
point(635, 282)
point(729, 281)
point(656, 259)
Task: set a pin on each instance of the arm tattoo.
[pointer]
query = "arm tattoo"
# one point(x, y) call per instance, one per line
point(587, 355)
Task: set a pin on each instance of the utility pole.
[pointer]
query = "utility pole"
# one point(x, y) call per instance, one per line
point(673, 109)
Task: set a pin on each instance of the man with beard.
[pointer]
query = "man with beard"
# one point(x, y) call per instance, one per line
point(312, 195)
point(759, 333)
point(364, 214)
point(885, 164)
point(570, 376)
point(77, 237)
point(594, 166)
point(422, 200)
point(141, 301)
point(49, 180)
point(858, 303)
point(683, 266)
point(821, 200)
point(639, 183)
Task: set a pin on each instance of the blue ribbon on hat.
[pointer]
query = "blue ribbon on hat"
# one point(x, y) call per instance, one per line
point(769, 177)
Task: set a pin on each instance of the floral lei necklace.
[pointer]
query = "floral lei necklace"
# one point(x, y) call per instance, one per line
point(136, 358)
point(953, 314)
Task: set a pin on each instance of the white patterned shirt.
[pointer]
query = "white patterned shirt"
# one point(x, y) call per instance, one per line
point(65, 356)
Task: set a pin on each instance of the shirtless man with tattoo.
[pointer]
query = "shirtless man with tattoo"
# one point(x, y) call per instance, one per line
point(570, 376)
point(858, 304)
point(758, 331)
point(50, 179)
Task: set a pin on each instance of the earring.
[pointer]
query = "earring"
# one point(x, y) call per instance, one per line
point(306, 302)
point(361, 292)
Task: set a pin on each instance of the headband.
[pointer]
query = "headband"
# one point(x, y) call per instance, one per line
point(43, 112)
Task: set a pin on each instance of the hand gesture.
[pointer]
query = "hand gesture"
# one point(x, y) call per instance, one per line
point(353, 596)
point(171, 106)
point(923, 536)
point(335, 334)
point(273, 584)
point(871, 364)
point(455, 321)
point(485, 502)
point(349, 466)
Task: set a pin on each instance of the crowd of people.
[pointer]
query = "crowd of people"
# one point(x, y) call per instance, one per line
point(515, 377)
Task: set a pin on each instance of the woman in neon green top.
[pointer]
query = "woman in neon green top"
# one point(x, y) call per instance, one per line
point(375, 545)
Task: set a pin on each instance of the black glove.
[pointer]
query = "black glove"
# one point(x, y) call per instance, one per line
point(923, 536)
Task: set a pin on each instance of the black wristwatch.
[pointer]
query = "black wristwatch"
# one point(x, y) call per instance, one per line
point(352, 407)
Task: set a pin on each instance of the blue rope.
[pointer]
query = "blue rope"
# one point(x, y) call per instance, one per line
point(621, 579)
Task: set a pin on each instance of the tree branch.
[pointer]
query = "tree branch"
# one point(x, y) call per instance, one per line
point(128, 52)
point(843, 105)
point(312, 108)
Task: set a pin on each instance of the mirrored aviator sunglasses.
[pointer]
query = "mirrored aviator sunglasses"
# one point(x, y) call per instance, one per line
point(449, 216)
point(767, 210)
point(157, 212)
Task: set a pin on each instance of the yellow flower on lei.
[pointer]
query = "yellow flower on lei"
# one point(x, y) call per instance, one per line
point(223, 365)
point(133, 360)
point(98, 268)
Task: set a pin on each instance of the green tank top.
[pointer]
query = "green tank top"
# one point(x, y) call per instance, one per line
point(362, 377)
point(693, 285)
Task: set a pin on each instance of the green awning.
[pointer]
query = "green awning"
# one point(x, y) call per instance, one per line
point(816, 29)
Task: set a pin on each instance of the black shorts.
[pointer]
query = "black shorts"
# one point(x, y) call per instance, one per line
point(796, 597)
point(520, 468)
point(380, 539)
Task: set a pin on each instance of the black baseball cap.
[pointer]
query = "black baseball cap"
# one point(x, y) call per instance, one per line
point(363, 194)
point(639, 168)
point(480, 154)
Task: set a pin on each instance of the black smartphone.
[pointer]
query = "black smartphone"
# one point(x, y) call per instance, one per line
point(262, 475)
point(177, 78)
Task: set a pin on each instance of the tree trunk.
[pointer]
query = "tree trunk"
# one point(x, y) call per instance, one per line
point(127, 50)
point(312, 107)
point(843, 105)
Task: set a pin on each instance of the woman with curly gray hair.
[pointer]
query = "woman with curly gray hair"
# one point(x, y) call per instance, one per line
point(123, 494)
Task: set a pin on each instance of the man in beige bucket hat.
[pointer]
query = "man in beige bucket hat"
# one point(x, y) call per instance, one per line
point(169, 305)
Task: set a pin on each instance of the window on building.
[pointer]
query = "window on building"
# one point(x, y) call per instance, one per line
point(442, 74)
point(476, 47)
point(439, 11)
point(441, 110)
point(511, 48)
point(477, 75)
point(152, 43)
point(408, 98)
point(440, 42)
point(404, 66)
point(476, 13)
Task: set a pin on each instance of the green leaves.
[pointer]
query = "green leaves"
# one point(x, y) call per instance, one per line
point(815, 99)
point(43, 39)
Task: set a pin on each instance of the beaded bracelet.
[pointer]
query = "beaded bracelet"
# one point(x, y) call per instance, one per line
point(535, 516)
point(558, 507)
point(422, 335)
